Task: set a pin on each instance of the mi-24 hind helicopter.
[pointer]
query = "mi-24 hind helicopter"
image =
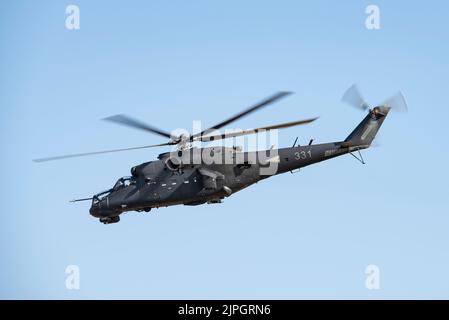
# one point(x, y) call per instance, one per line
point(186, 176)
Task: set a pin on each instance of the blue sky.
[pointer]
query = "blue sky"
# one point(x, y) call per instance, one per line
point(307, 235)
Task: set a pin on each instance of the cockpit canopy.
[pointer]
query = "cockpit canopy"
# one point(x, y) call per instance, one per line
point(123, 182)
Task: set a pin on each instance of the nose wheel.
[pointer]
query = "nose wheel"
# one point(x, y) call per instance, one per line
point(110, 220)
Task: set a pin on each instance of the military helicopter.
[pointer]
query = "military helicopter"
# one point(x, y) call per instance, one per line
point(188, 176)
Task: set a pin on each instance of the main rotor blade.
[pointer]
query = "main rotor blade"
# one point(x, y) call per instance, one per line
point(257, 106)
point(396, 102)
point(253, 131)
point(353, 97)
point(136, 124)
point(98, 152)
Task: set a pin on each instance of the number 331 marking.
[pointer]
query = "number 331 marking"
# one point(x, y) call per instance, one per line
point(301, 155)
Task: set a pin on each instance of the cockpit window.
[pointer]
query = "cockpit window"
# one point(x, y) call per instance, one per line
point(124, 182)
point(99, 196)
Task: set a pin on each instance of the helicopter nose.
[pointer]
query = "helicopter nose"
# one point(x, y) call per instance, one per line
point(95, 210)
point(101, 209)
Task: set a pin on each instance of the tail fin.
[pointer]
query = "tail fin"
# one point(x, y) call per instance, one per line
point(366, 131)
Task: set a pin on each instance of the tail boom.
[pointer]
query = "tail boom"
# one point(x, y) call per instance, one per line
point(363, 135)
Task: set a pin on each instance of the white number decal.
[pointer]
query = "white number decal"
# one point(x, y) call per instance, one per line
point(301, 155)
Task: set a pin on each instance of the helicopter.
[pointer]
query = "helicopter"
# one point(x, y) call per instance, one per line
point(194, 176)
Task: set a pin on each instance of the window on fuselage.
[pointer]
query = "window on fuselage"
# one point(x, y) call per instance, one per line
point(124, 182)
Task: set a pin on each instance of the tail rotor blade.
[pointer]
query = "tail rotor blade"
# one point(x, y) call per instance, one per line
point(396, 102)
point(353, 97)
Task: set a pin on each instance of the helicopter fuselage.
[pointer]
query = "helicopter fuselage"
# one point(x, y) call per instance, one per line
point(171, 180)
